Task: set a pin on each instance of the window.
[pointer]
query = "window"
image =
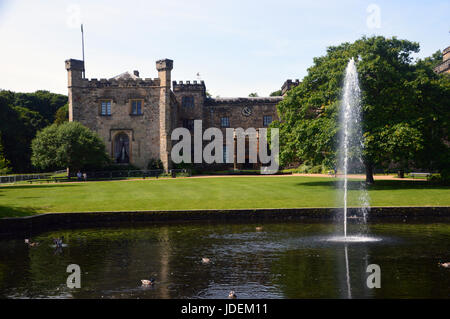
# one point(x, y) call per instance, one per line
point(105, 108)
point(225, 122)
point(136, 107)
point(189, 124)
point(267, 119)
point(187, 101)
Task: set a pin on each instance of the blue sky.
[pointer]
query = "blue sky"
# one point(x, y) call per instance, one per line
point(238, 47)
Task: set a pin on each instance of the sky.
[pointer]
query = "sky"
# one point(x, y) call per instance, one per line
point(237, 47)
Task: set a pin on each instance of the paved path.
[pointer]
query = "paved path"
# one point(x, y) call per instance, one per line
point(360, 176)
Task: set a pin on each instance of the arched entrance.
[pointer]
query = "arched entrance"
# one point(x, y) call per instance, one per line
point(122, 148)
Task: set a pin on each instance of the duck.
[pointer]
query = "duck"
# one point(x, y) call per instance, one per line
point(232, 295)
point(148, 282)
point(205, 260)
point(445, 265)
point(30, 243)
point(58, 241)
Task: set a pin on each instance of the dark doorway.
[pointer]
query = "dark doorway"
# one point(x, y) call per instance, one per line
point(122, 148)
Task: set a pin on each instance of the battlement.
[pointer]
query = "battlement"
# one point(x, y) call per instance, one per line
point(164, 65)
point(188, 86)
point(121, 83)
point(289, 84)
point(446, 54)
point(243, 100)
point(446, 50)
point(73, 64)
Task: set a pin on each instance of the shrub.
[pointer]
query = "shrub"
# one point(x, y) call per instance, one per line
point(70, 144)
point(155, 164)
point(315, 169)
point(183, 165)
point(4, 163)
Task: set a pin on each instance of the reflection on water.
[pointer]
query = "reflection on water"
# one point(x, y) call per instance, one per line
point(283, 260)
point(349, 288)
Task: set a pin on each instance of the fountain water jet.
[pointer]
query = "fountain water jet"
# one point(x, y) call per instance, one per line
point(350, 149)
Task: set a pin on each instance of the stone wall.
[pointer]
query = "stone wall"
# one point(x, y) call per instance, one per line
point(24, 226)
point(233, 108)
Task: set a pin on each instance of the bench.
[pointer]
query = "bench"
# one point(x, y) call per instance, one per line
point(415, 174)
point(40, 181)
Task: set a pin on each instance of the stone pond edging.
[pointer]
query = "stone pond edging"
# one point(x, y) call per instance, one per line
point(52, 221)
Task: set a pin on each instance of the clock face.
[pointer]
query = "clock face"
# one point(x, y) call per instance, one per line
point(246, 111)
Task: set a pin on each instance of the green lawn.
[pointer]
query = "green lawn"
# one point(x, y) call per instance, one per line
point(207, 193)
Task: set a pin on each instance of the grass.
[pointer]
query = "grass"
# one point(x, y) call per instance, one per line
point(208, 193)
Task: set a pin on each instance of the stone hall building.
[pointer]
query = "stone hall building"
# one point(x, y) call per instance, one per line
point(135, 116)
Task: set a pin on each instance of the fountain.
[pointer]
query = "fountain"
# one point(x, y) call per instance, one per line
point(350, 153)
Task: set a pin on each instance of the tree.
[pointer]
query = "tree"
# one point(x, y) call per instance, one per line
point(4, 163)
point(18, 126)
point(43, 102)
point(253, 95)
point(433, 93)
point(276, 93)
point(22, 115)
point(401, 141)
point(404, 111)
point(69, 145)
point(8, 126)
point(62, 115)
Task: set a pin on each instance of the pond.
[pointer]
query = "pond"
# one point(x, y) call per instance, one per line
point(265, 260)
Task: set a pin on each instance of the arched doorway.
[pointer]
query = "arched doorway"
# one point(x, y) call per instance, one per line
point(122, 148)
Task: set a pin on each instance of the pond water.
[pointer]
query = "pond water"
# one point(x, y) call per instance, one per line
point(281, 260)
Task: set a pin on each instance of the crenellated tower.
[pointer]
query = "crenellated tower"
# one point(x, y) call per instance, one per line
point(191, 98)
point(164, 68)
point(75, 70)
point(288, 85)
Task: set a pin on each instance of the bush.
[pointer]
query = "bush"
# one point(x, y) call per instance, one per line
point(4, 163)
point(4, 168)
point(442, 179)
point(70, 144)
point(303, 168)
point(315, 169)
point(445, 175)
point(183, 165)
point(155, 164)
point(308, 169)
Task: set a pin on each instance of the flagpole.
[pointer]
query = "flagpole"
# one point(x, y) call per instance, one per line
point(82, 48)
